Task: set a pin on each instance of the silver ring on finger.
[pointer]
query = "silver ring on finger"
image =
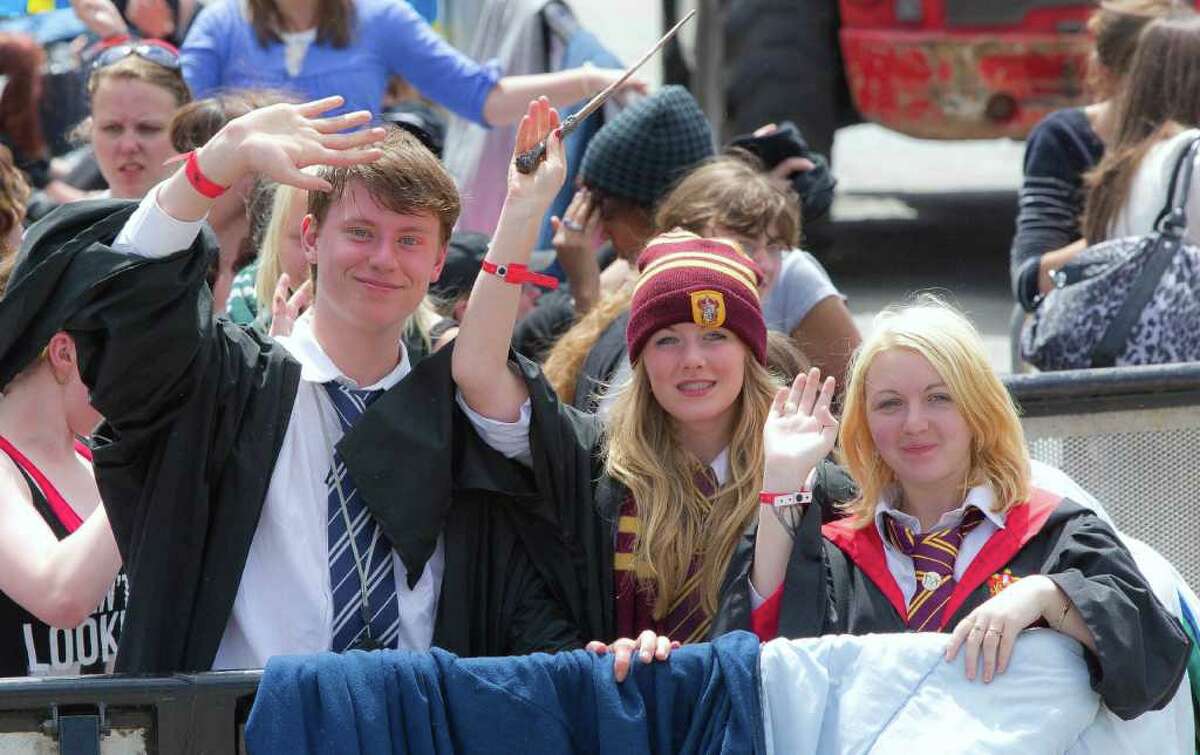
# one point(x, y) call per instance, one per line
point(572, 225)
point(994, 630)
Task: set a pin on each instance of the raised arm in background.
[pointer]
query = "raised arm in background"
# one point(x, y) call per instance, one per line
point(507, 101)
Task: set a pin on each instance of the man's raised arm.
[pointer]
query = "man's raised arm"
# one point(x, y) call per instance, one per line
point(275, 142)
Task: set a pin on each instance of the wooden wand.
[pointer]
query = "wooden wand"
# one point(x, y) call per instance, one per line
point(528, 160)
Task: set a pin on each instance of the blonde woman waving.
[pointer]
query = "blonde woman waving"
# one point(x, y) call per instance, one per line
point(948, 533)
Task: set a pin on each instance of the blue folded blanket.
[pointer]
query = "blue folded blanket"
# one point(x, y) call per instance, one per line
point(705, 699)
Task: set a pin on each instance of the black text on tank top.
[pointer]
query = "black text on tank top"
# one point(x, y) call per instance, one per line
point(30, 647)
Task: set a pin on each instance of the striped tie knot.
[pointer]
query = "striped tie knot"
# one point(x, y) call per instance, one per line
point(706, 481)
point(933, 555)
point(349, 403)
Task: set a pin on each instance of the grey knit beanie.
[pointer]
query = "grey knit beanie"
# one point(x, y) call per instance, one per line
point(639, 154)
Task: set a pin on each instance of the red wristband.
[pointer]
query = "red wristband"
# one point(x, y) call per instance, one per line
point(515, 272)
point(785, 499)
point(199, 181)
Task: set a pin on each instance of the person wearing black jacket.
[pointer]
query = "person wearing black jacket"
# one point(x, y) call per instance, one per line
point(225, 459)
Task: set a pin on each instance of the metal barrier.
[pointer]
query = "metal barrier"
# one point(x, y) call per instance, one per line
point(120, 715)
point(1131, 437)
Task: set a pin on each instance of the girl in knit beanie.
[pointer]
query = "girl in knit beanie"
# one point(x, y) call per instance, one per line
point(729, 196)
point(656, 509)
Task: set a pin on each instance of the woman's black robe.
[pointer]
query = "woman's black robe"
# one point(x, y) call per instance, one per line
point(581, 504)
point(838, 582)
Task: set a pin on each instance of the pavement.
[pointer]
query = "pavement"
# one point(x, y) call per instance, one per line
point(919, 215)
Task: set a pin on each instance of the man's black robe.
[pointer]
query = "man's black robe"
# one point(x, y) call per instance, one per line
point(1141, 650)
point(196, 410)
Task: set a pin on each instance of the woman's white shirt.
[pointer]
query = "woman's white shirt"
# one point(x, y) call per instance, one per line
point(1149, 188)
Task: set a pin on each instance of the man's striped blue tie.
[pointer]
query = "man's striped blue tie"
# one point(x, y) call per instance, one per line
point(359, 551)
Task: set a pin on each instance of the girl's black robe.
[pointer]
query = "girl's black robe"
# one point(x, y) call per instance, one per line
point(196, 410)
point(838, 582)
point(579, 507)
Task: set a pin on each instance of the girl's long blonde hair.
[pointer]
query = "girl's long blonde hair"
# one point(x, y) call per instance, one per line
point(677, 522)
point(565, 361)
point(946, 338)
point(270, 266)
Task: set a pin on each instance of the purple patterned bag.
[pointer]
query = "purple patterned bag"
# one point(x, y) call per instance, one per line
point(1125, 301)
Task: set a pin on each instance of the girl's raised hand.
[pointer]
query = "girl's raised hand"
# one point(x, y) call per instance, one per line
point(800, 431)
point(574, 231)
point(537, 190)
point(286, 308)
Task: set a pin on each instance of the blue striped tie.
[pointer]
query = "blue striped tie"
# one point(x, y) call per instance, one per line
point(365, 548)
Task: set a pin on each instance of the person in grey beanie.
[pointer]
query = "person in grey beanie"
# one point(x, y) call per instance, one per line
point(635, 158)
point(630, 164)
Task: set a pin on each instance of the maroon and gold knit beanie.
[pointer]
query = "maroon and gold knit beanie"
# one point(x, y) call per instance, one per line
point(685, 278)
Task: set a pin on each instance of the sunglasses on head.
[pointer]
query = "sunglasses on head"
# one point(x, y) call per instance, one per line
point(154, 51)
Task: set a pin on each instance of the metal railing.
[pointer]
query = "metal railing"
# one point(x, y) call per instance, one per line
point(122, 715)
point(1131, 437)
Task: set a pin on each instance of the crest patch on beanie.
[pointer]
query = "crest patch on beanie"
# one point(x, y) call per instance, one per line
point(708, 308)
point(688, 279)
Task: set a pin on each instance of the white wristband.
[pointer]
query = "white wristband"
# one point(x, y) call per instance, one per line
point(784, 500)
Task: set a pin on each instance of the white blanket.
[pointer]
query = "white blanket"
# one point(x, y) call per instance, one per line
point(895, 694)
point(1171, 729)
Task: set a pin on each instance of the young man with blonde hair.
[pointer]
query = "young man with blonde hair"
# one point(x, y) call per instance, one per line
point(242, 474)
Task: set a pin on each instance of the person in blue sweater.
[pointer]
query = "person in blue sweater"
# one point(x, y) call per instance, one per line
point(318, 48)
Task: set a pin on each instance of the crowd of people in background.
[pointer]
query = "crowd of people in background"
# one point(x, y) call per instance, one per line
point(262, 395)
